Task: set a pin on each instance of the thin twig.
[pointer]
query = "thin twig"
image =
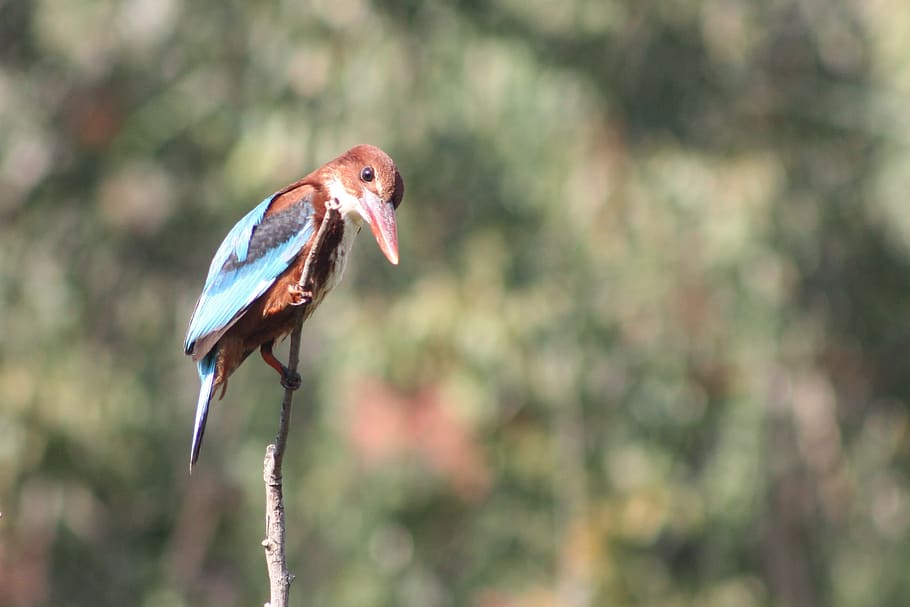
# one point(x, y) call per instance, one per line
point(275, 557)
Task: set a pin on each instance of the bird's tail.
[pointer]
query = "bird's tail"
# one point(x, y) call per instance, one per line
point(206, 368)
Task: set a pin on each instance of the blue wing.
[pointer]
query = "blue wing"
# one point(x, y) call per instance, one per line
point(253, 254)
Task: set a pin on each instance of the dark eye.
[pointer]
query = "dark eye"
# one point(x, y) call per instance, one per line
point(367, 174)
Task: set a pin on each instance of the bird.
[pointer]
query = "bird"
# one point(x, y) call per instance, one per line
point(253, 288)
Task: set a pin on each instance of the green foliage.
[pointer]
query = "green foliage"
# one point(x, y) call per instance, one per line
point(646, 345)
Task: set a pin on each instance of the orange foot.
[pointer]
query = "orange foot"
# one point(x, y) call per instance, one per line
point(290, 380)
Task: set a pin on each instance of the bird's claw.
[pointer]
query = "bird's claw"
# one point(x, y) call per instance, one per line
point(290, 380)
point(299, 295)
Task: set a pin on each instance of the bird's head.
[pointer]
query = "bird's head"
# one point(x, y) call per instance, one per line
point(367, 186)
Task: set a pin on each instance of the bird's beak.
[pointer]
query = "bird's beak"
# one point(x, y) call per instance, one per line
point(380, 214)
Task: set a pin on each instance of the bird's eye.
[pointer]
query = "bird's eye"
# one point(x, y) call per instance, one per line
point(367, 174)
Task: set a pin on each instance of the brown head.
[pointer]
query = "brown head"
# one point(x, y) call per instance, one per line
point(366, 185)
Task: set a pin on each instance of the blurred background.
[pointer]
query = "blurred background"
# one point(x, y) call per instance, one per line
point(647, 344)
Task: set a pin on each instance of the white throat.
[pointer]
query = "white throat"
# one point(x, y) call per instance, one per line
point(351, 211)
point(347, 204)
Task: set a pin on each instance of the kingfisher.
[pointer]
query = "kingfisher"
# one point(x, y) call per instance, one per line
point(253, 290)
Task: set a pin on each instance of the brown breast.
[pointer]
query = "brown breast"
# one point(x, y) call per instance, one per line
point(272, 315)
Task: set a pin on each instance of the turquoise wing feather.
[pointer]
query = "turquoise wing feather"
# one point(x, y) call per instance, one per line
point(254, 253)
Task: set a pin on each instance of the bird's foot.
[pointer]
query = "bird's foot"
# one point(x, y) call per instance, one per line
point(299, 295)
point(290, 380)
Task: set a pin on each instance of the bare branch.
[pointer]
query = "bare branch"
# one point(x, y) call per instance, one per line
point(276, 560)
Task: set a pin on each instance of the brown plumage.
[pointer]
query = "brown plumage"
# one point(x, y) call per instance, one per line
point(253, 286)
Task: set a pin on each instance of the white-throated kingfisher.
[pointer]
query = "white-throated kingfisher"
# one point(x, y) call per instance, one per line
point(253, 285)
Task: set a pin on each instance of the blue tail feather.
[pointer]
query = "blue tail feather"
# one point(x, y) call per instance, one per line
point(206, 368)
